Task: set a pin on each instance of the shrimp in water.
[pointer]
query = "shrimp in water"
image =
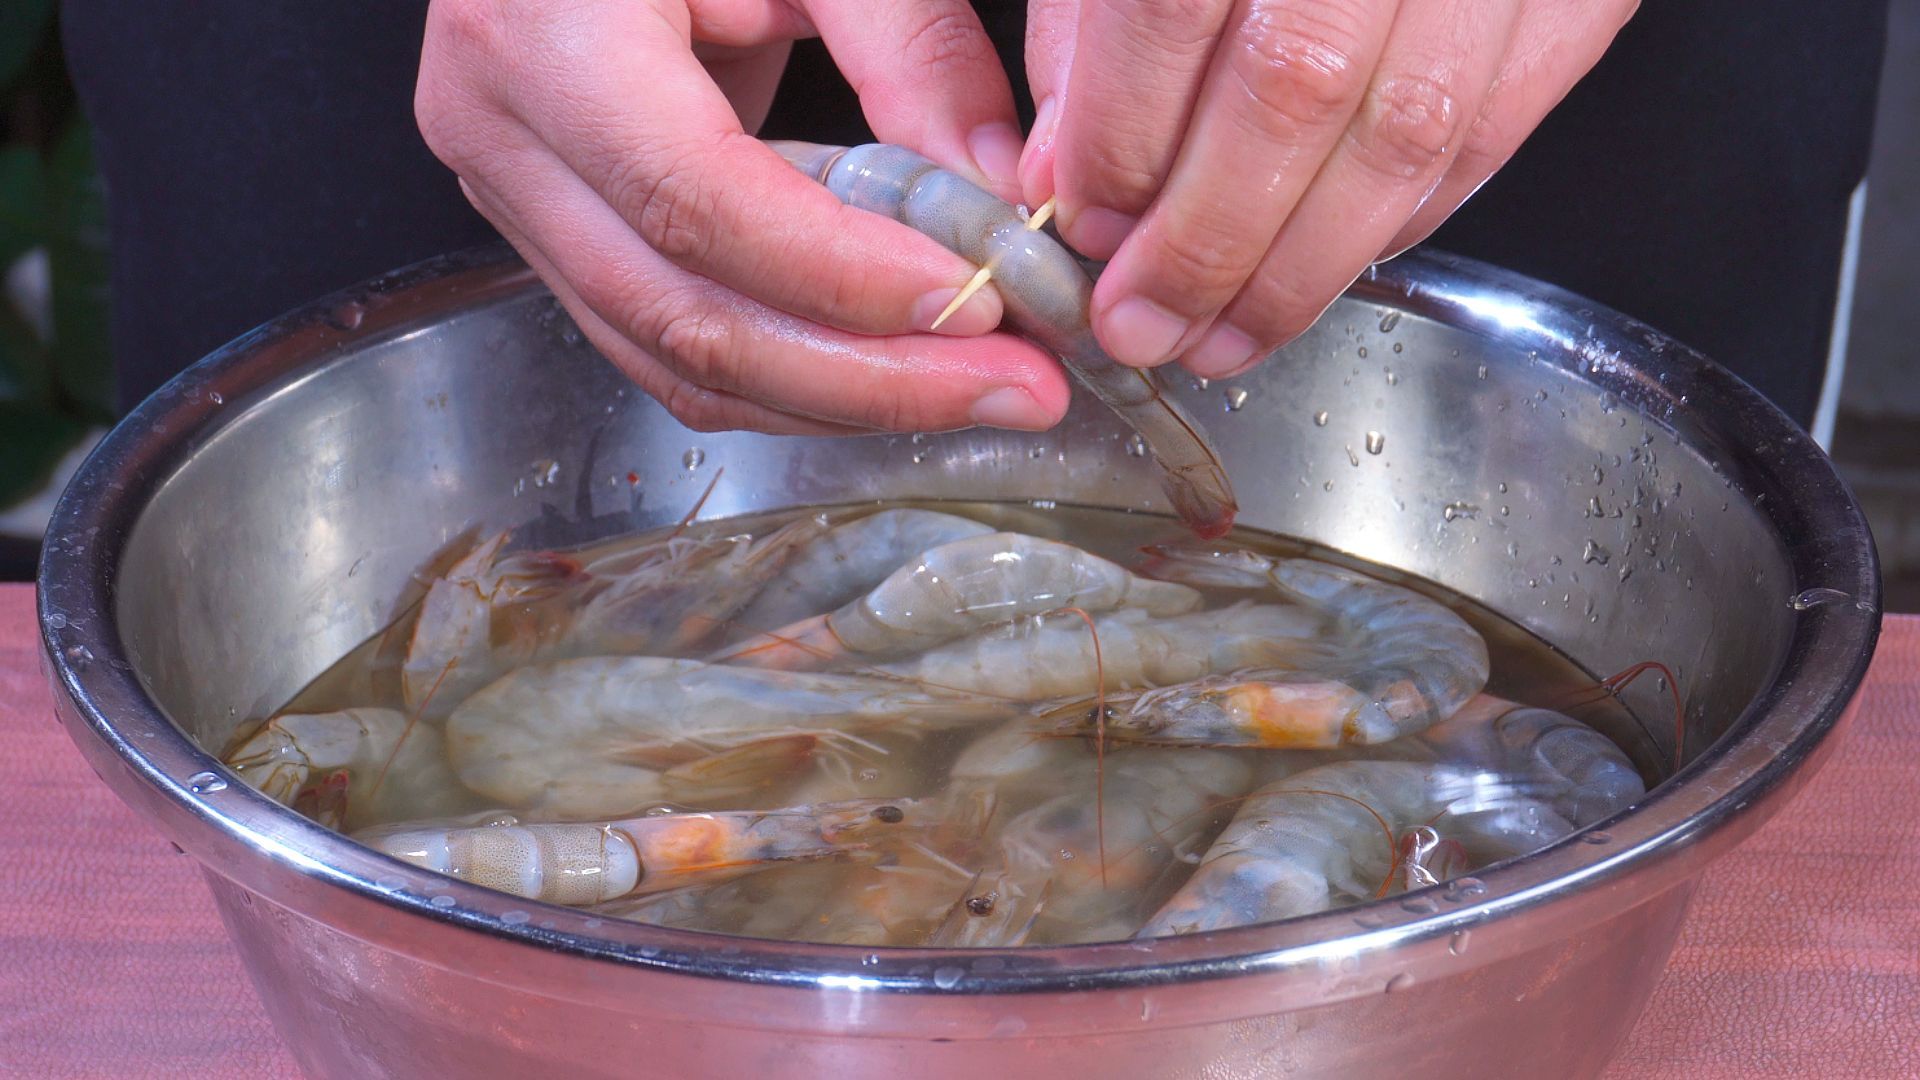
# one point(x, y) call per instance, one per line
point(593, 737)
point(1514, 779)
point(1404, 663)
point(957, 589)
point(1053, 656)
point(1047, 293)
point(594, 862)
point(849, 559)
point(371, 760)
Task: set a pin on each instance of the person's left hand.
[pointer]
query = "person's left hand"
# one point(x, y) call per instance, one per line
point(1241, 162)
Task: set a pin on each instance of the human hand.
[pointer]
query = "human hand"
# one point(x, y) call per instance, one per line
point(1241, 162)
point(608, 141)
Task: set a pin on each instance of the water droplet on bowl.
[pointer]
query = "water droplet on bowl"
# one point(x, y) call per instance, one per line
point(1813, 598)
point(1136, 445)
point(1596, 838)
point(56, 621)
point(1594, 553)
point(948, 977)
point(1465, 888)
point(1236, 398)
point(1419, 905)
point(1399, 982)
point(693, 458)
point(1376, 442)
point(1457, 944)
point(1388, 321)
point(205, 783)
point(1320, 418)
point(514, 918)
point(442, 901)
point(347, 316)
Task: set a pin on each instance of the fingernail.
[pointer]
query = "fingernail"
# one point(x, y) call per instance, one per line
point(1096, 231)
point(996, 152)
point(1011, 407)
point(978, 315)
point(1033, 155)
point(1222, 352)
point(1140, 332)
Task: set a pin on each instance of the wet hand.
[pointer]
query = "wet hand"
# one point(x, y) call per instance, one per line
point(608, 140)
point(1241, 162)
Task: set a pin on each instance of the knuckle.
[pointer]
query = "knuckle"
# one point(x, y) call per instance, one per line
point(1202, 261)
point(672, 207)
point(697, 342)
point(696, 408)
point(1300, 62)
point(1407, 126)
point(949, 37)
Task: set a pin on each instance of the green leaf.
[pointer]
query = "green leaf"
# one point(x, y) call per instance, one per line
point(23, 26)
point(23, 203)
point(32, 441)
point(82, 357)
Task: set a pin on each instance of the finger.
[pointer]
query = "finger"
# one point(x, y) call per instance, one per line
point(695, 407)
point(1555, 44)
point(1438, 64)
point(1051, 26)
point(1137, 71)
point(624, 104)
point(748, 76)
point(719, 340)
point(929, 78)
point(1278, 98)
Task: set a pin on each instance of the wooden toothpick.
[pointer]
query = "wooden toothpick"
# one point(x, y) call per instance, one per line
point(1035, 221)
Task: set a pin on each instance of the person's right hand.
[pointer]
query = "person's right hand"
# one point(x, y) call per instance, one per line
point(734, 290)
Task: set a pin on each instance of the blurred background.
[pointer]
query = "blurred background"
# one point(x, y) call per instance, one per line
point(56, 373)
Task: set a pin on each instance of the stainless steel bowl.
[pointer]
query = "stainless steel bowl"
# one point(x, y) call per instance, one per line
point(1571, 469)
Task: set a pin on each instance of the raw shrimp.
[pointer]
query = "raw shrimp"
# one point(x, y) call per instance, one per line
point(849, 559)
point(373, 761)
point(1051, 865)
point(450, 650)
point(1047, 293)
point(1329, 835)
point(1582, 773)
point(1404, 664)
point(593, 862)
point(592, 737)
point(957, 589)
point(489, 614)
point(1053, 657)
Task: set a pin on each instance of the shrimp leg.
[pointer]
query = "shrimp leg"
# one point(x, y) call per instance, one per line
point(1046, 292)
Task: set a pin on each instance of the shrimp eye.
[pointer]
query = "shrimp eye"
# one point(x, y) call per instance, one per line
point(890, 815)
point(980, 905)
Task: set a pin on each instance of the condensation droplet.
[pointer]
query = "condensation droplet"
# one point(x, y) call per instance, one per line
point(1236, 398)
point(1596, 838)
point(1399, 982)
point(1376, 442)
point(348, 315)
point(205, 783)
point(1465, 889)
point(1136, 445)
point(1392, 379)
point(545, 472)
point(1353, 459)
point(1813, 598)
point(1320, 418)
point(214, 396)
point(1457, 510)
point(56, 621)
point(1457, 944)
point(1594, 553)
point(1388, 321)
point(693, 458)
point(1482, 372)
point(1420, 905)
point(946, 978)
point(442, 901)
point(514, 918)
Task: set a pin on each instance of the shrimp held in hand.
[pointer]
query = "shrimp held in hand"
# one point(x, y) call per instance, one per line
point(1048, 294)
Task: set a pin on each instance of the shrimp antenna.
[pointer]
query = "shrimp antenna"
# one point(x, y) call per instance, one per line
point(1035, 222)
